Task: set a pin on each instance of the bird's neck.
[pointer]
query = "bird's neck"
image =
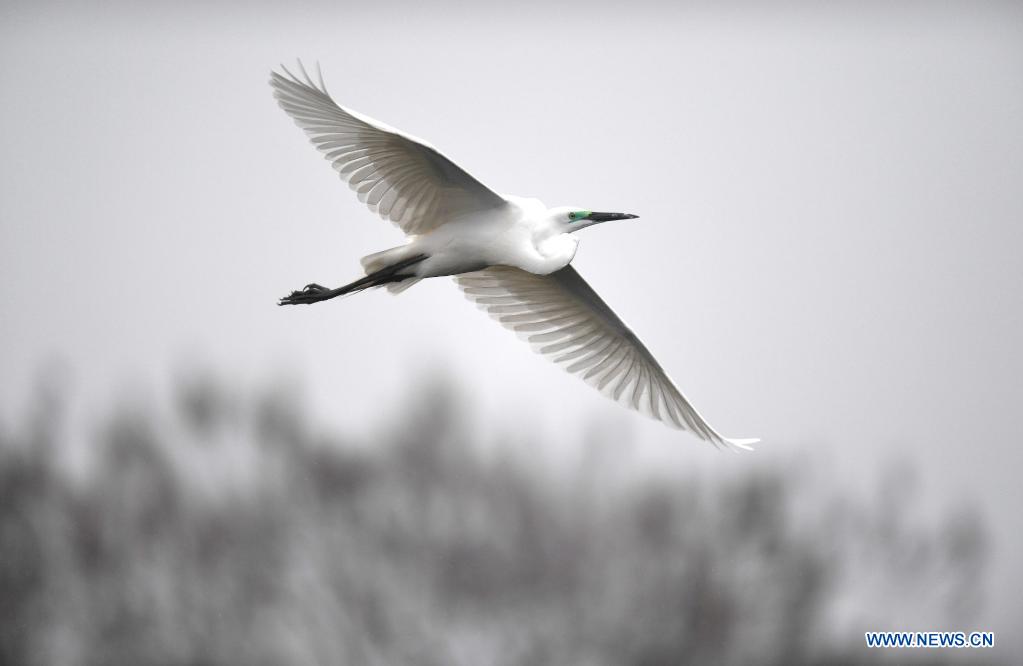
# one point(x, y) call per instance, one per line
point(555, 250)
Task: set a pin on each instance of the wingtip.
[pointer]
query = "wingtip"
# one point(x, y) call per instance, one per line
point(276, 77)
point(744, 444)
point(279, 80)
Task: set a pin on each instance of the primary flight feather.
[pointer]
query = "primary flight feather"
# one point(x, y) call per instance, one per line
point(509, 254)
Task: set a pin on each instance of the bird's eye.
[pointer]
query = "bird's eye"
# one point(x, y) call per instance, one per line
point(571, 216)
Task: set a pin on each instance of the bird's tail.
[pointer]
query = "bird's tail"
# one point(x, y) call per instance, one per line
point(389, 275)
point(398, 287)
point(381, 260)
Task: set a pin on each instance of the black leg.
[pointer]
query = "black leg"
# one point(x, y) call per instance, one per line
point(312, 293)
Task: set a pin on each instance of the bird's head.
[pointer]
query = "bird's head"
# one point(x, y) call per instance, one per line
point(571, 218)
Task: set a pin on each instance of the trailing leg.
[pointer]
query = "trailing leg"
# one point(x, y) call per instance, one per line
point(314, 293)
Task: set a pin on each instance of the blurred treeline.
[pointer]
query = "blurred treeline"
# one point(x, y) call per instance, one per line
point(225, 529)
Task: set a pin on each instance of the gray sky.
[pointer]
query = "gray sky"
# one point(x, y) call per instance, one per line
point(828, 255)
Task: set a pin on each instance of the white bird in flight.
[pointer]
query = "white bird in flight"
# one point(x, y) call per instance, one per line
point(509, 254)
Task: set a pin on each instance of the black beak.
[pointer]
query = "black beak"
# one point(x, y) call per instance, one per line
point(607, 217)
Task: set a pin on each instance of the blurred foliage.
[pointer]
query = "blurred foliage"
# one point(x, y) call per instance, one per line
point(226, 530)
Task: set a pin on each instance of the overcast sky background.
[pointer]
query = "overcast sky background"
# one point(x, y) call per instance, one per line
point(828, 255)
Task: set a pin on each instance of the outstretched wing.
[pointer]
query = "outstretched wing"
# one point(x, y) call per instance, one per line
point(401, 178)
point(563, 318)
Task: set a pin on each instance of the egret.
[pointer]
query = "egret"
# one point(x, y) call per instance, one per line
point(510, 255)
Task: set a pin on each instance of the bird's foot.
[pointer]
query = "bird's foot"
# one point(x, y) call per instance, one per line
point(310, 294)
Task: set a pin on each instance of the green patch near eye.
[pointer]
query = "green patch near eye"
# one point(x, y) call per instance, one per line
point(580, 214)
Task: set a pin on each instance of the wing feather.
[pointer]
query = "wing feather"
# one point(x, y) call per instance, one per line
point(565, 320)
point(401, 178)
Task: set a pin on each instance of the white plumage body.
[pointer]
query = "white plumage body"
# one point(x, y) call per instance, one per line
point(519, 233)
